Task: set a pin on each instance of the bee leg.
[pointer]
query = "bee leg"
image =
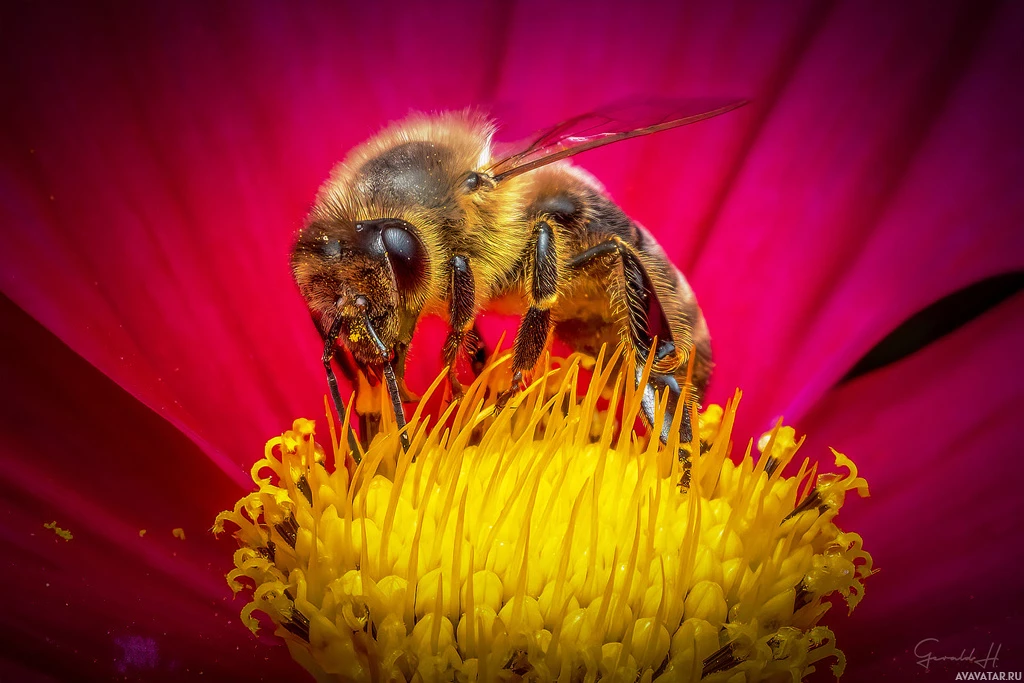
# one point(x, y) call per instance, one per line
point(401, 353)
point(648, 325)
point(332, 382)
point(461, 307)
point(532, 335)
point(477, 350)
point(367, 405)
point(389, 372)
point(656, 384)
point(369, 425)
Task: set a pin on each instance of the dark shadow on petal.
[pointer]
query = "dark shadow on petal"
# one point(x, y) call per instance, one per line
point(938, 320)
point(112, 602)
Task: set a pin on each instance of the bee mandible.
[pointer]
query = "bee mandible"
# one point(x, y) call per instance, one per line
point(425, 218)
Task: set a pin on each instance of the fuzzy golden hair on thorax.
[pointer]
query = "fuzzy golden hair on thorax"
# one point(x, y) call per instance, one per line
point(467, 134)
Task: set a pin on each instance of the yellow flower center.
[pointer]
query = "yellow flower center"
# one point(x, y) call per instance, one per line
point(546, 544)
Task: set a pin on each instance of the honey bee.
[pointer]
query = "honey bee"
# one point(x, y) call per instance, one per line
point(425, 218)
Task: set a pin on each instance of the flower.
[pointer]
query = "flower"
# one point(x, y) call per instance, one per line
point(539, 544)
point(157, 159)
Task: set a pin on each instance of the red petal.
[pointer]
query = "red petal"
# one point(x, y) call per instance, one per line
point(883, 178)
point(78, 451)
point(937, 436)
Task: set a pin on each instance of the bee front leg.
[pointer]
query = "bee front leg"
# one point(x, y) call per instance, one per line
point(389, 372)
point(648, 329)
point(330, 342)
point(461, 309)
point(401, 354)
point(542, 293)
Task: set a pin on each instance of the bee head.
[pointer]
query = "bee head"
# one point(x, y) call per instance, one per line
point(381, 226)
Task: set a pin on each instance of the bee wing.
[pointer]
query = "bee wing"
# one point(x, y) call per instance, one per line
point(603, 127)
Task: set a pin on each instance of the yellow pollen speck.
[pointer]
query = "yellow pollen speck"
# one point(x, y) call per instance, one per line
point(546, 544)
point(178, 533)
point(142, 532)
point(63, 533)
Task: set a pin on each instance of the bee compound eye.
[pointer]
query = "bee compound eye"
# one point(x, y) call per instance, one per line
point(401, 245)
point(406, 253)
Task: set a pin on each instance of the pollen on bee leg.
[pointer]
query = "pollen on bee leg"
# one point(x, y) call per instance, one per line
point(540, 544)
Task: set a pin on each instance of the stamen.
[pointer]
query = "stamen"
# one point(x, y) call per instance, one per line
point(548, 543)
point(268, 551)
point(289, 530)
point(303, 486)
point(804, 596)
point(298, 624)
point(811, 501)
point(723, 660)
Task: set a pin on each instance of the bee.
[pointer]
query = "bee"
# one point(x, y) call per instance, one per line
point(427, 218)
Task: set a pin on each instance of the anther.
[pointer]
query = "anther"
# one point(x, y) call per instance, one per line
point(812, 500)
point(289, 530)
point(722, 660)
point(268, 551)
point(303, 485)
point(803, 595)
point(298, 623)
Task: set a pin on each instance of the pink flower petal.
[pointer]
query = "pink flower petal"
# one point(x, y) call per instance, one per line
point(937, 436)
point(884, 178)
point(78, 451)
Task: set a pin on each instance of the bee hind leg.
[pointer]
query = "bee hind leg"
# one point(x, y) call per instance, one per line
point(656, 384)
point(649, 330)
